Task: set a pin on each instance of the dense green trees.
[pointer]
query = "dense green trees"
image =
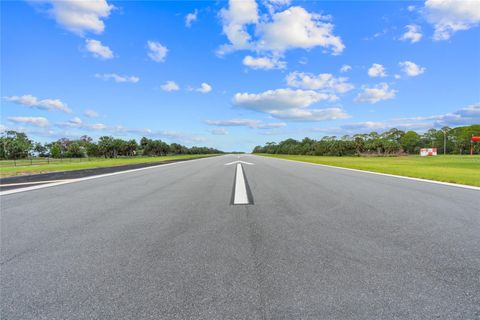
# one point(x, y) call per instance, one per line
point(391, 142)
point(16, 145)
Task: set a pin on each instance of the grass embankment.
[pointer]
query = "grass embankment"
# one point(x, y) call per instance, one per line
point(7, 169)
point(450, 168)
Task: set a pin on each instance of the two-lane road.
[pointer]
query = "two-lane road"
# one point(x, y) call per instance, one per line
point(168, 243)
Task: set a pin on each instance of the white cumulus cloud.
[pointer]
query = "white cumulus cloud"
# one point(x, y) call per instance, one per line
point(170, 86)
point(290, 104)
point(450, 16)
point(265, 63)
point(80, 16)
point(411, 69)
point(322, 81)
point(376, 93)
point(98, 50)
point(34, 121)
point(276, 32)
point(345, 68)
point(239, 14)
point(76, 121)
point(377, 70)
point(191, 18)
point(204, 88)
point(298, 28)
point(117, 78)
point(413, 33)
point(156, 51)
point(33, 102)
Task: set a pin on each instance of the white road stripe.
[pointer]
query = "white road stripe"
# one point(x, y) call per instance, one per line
point(3, 193)
point(33, 182)
point(238, 161)
point(241, 196)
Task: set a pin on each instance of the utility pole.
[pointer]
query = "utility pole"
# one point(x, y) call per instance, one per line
point(444, 141)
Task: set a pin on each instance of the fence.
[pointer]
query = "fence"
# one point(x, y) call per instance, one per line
point(40, 161)
point(43, 161)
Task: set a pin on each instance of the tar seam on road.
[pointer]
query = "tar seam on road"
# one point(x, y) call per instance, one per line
point(241, 193)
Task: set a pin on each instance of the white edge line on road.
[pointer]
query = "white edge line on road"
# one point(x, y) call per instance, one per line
point(7, 192)
point(384, 174)
point(30, 183)
point(241, 196)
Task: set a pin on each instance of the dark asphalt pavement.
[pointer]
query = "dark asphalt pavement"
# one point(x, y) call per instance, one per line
point(166, 243)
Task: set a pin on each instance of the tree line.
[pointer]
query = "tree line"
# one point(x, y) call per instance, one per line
point(17, 145)
point(391, 142)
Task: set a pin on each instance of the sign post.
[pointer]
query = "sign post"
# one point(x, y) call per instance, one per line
point(472, 141)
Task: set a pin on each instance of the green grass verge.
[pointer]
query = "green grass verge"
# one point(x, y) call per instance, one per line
point(7, 169)
point(450, 168)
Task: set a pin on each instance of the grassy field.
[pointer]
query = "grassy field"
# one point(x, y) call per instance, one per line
point(7, 168)
point(449, 168)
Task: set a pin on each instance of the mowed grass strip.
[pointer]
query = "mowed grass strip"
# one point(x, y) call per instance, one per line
point(9, 170)
point(463, 169)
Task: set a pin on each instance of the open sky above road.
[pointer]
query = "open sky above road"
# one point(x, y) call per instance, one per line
point(236, 74)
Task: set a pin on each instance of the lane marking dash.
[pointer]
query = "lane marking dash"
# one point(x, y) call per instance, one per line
point(241, 195)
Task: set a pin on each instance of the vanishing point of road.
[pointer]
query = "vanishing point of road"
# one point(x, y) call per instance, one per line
point(258, 239)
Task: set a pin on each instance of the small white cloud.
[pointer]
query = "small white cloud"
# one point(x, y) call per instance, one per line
point(264, 63)
point(76, 121)
point(397, 76)
point(218, 131)
point(98, 50)
point(34, 121)
point(33, 102)
point(303, 60)
point(411, 69)
point(411, 8)
point(81, 16)
point(204, 88)
point(250, 123)
point(413, 33)
point(96, 126)
point(375, 94)
point(170, 86)
point(117, 78)
point(377, 70)
point(450, 16)
point(91, 114)
point(345, 68)
point(191, 18)
point(157, 52)
point(322, 81)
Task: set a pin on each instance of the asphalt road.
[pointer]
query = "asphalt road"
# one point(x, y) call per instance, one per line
point(167, 243)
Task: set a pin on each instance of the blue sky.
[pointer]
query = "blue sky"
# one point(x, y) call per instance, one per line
point(237, 74)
